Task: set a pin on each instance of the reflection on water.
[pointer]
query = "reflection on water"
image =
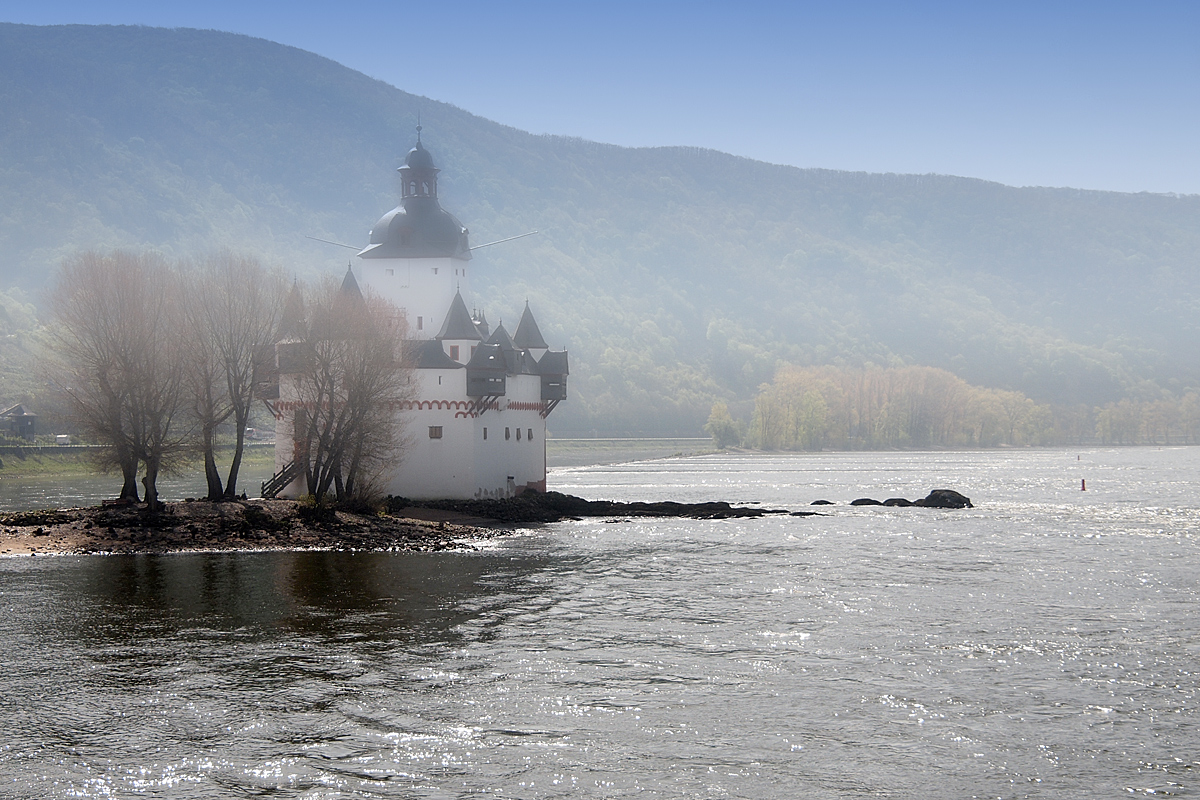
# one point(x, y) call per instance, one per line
point(1043, 644)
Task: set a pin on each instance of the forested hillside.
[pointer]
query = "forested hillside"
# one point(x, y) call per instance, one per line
point(676, 277)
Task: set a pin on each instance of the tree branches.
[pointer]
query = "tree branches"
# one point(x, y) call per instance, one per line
point(352, 376)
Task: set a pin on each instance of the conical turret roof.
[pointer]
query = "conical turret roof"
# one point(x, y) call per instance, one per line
point(528, 336)
point(501, 337)
point(350, 287)
point(458, 324)
point(291, 322)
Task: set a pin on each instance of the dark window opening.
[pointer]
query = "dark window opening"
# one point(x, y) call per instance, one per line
point(507, 434)
point(435, 431)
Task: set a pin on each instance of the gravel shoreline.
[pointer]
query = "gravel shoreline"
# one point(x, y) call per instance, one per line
point(201, 526)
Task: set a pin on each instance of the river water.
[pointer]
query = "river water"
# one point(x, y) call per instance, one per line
point(1043, 644)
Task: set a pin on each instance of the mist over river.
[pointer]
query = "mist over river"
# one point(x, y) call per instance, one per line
point(1043, 644)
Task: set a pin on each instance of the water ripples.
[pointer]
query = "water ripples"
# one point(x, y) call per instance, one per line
point(1043, 644)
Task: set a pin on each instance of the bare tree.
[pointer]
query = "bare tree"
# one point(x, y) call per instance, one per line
point(233, 311)
point(118, 335)
point(355, 375)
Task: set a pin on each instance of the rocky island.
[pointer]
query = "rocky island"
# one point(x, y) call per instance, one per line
point(401, 524)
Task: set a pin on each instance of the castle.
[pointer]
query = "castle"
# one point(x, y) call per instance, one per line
point(476, 426)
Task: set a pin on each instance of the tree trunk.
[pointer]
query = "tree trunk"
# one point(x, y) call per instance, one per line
point(150, 481)
point(211, 474)
point(239, 421)
point(129, 489)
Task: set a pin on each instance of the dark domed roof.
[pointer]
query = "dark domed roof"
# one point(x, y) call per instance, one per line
point(418, 229)
point(419, 158)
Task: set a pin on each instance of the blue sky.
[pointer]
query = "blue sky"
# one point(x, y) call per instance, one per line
point(1099, 95)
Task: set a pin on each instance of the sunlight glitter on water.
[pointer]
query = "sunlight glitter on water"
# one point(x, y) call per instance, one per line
point(1042, 644)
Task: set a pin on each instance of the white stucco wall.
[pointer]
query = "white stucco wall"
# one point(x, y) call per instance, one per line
point(422, 287)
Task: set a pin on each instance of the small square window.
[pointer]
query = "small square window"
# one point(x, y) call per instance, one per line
point(435, 431)
point(389, 272)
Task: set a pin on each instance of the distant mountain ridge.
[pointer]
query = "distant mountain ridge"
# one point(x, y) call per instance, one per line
point(676, 276)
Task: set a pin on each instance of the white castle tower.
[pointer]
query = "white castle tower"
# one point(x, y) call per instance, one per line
point(478, 425)
point(418, 255)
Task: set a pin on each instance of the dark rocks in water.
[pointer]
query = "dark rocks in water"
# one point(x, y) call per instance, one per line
point(554, 506)
point(807, 514)
point(945, 498)
point(897, 501)
point(865, 501)
point(821, 503)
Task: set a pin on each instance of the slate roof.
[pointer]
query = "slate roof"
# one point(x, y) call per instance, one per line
point(528, 336)
point(291, 322)
point(554, 362)
point(501, 337)
point(419, 227)
point(428, 354)
point(350, 287)
point(488, 357)
point(458, 324)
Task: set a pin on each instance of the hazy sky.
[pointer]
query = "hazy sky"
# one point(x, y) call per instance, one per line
point(1101, 95)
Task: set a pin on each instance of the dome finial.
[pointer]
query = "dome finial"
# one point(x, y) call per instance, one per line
point(418, 127)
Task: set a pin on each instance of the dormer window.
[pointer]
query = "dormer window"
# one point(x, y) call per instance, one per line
point(454, 352)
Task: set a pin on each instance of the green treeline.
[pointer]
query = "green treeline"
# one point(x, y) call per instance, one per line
point(675, 277)
point(835, 408)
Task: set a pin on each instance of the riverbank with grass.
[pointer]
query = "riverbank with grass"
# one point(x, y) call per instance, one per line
point(80, 460)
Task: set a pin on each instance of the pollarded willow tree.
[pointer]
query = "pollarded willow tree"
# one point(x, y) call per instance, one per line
point(231, 315)
point(122, 351)
point(353, 376)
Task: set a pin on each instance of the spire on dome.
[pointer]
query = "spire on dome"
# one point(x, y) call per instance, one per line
point(481, 323)
point(528, 336)
point(419, 227)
